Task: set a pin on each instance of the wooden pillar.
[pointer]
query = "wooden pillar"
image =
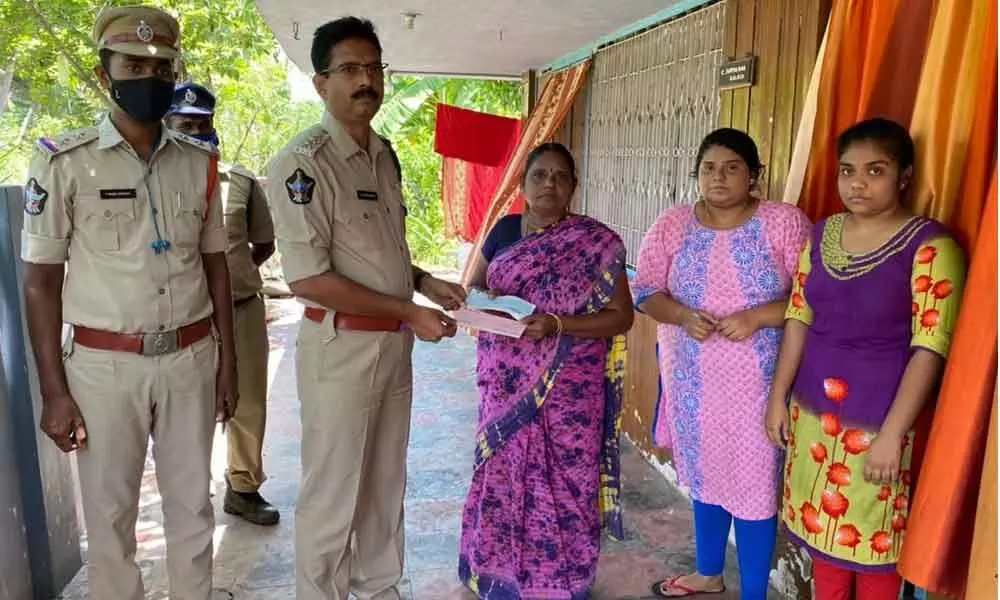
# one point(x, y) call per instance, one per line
point(982, 582)
point(529, 88)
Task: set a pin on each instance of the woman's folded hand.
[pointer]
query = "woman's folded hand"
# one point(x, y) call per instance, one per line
point(738, 326)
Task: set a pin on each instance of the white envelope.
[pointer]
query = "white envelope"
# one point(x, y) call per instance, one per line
point(467, 317)
point(512, 305)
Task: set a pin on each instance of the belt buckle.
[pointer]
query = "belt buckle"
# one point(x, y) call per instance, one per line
point(158, 344)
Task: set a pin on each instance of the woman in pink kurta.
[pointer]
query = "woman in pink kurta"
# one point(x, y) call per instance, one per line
point(716, 276)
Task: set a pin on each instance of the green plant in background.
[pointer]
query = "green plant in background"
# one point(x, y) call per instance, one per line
point(226, 46)
point(407, 118)
point(47, 58)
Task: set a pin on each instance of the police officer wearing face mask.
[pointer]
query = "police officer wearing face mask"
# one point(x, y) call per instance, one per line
point(192, 111)
point(130, 213)
point(251, 242)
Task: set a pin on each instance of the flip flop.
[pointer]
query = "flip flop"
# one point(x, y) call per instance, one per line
point(657, 589)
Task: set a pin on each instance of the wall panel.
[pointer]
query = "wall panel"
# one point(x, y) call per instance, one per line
point(652, 98)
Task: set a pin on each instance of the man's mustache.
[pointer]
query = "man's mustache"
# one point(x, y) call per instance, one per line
point(369, 92)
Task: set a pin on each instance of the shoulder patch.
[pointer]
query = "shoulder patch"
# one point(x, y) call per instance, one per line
point(34, 198)
point(203, 146)
point(310, 142)
point(300, 187)
point(67, 141)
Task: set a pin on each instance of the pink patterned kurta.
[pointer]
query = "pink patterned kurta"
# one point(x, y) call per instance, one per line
point(715, 393)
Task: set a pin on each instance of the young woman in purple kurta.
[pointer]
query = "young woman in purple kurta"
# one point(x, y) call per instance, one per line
point(869, 326)
point(716, 275)
point(546, 464)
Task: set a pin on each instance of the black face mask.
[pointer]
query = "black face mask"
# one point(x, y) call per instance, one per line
point(145, 100)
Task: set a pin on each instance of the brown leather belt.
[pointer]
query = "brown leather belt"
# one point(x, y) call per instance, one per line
point(349, 322)
point(246, 300)
point(147, 344)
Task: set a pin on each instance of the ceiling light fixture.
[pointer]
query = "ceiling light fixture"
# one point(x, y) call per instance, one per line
point(409, 18)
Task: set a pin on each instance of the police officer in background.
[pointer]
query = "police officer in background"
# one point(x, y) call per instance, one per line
point(130, 213)
point(251, 242)
point(338, 211)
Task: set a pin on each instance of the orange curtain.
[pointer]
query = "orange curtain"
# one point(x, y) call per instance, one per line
point(454, 196)
point(548, 115)
point(936, 70)
point(902, 59)
point(871, 67)
point(884, 85)
point(982, 582)
point(955, 122)
point(955, 127)
point(855, 44)
point(939, 535)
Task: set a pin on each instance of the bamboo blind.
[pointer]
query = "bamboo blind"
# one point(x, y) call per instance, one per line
point(653, 98)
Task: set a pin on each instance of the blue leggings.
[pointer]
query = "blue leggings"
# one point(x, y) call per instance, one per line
point(754, 547)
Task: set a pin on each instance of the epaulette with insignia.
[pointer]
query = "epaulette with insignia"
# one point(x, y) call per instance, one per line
point(310, 141)
point(67, 141)
point(203, 146)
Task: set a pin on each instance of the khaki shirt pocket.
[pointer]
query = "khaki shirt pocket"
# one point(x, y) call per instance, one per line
point(362, 222)
point(107, 224)
point(189, 216)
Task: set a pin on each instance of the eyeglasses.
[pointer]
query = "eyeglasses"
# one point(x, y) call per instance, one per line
point(355, 69)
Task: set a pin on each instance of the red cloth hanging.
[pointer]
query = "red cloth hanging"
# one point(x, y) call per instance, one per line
point(466, 191)
point(483, 182)
point(476, 148)
point(475, 137)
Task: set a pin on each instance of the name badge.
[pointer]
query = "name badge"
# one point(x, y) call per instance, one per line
point(118, 194)
point(368, 196)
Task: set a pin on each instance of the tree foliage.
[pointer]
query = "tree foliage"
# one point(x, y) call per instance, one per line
point(227, 46)
point(407, 117)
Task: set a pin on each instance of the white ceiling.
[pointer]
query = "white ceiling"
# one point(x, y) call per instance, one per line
point(469, 37)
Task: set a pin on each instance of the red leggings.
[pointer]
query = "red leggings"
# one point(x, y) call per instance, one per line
point(836, 583)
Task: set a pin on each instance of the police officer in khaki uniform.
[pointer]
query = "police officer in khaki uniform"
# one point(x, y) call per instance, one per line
point(131, 214)
point(251, 242)
point(338, 211)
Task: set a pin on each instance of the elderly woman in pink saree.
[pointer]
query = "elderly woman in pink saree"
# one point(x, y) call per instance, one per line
point(546, 460)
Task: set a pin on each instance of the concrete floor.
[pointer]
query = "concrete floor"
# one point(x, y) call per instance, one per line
point(256, 563)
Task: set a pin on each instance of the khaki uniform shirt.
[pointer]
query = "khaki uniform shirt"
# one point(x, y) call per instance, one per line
point(247, 222)
point(90, 202)
point(338, 207)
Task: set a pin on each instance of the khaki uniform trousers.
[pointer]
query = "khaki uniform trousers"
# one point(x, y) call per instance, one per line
point(125, 399)
point(245, 431)
point(356, 390)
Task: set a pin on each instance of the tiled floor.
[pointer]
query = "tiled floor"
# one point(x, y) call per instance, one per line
point(254, 563)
